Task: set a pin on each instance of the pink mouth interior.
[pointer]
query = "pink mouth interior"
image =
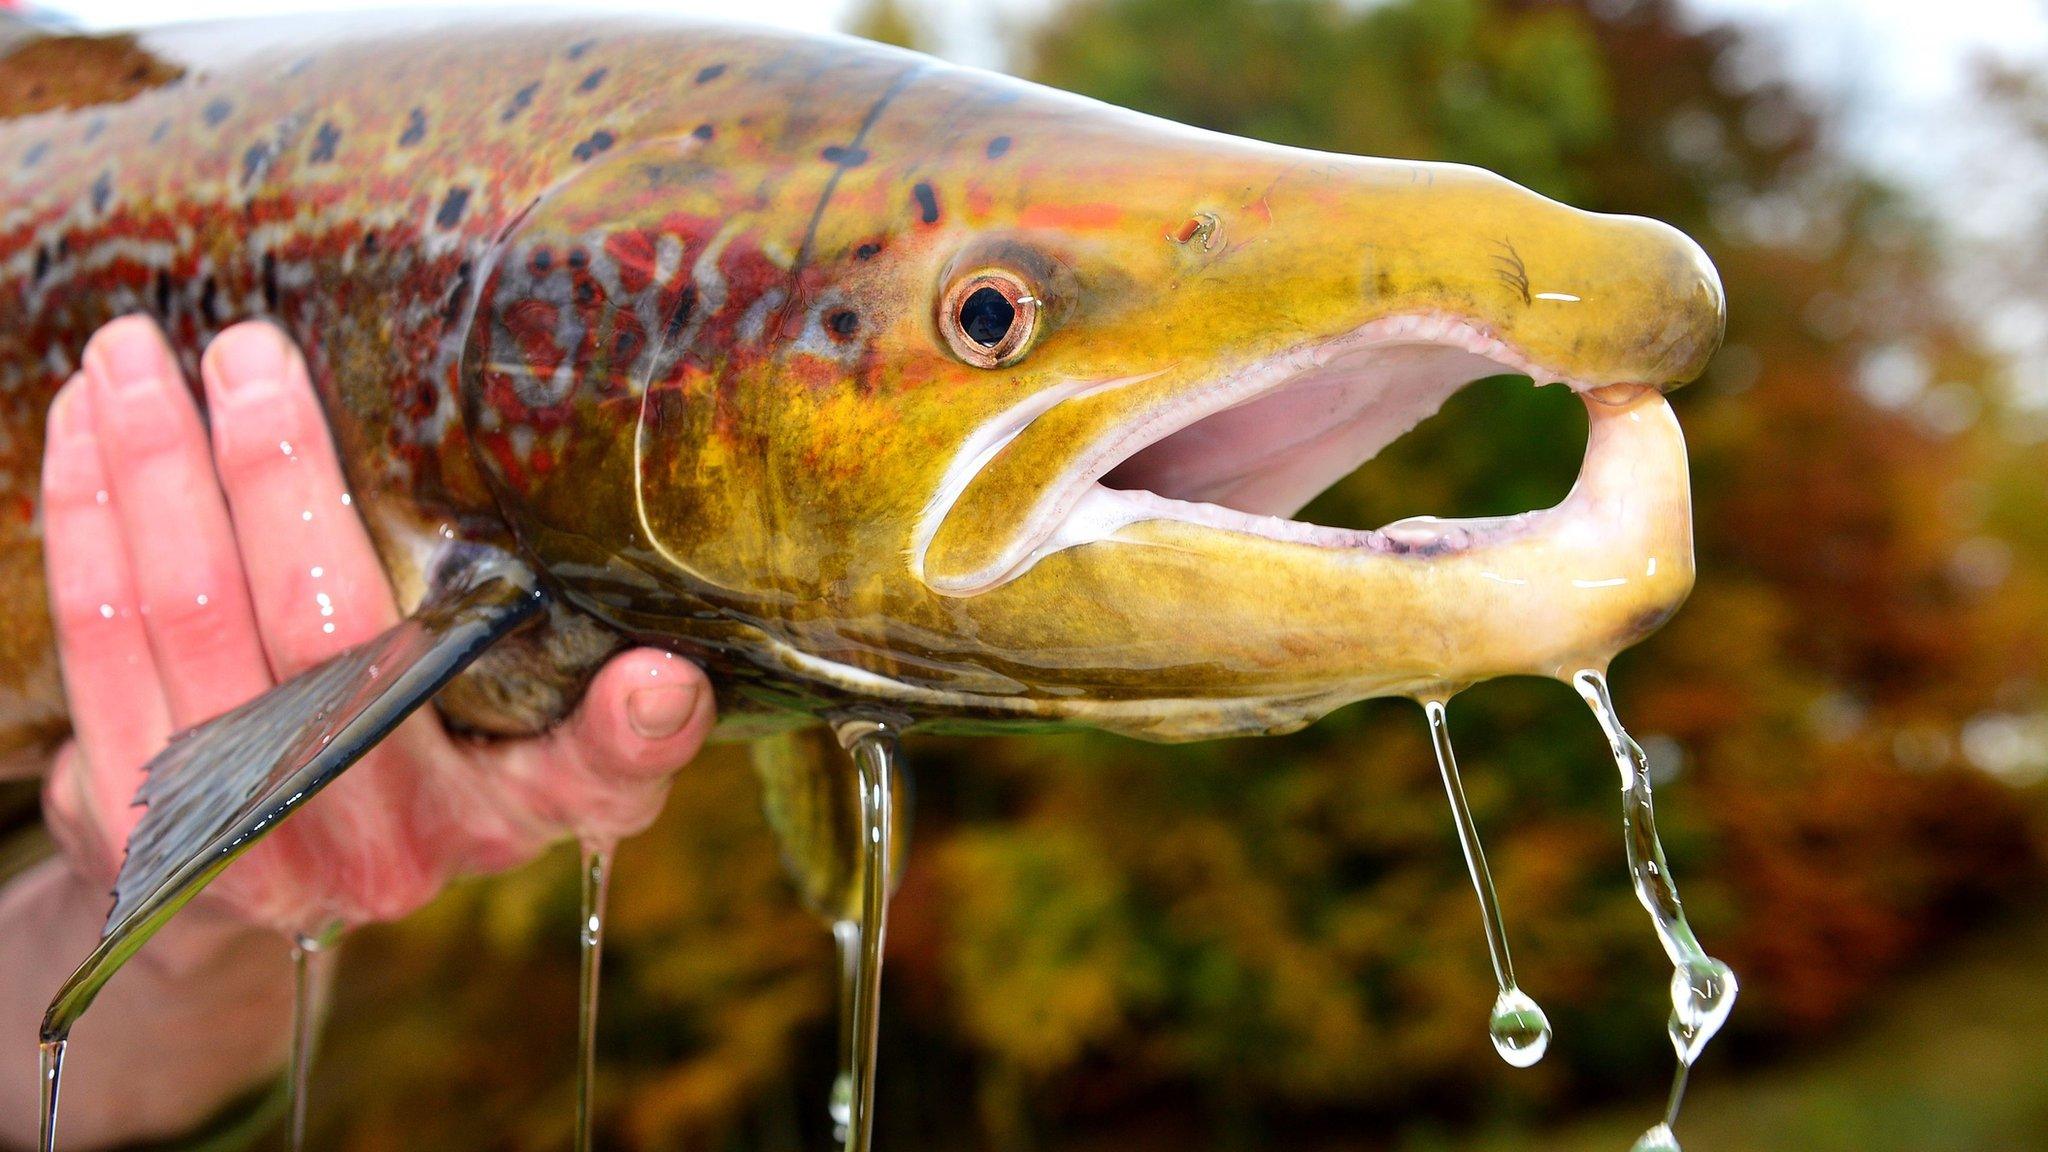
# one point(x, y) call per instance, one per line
point(1274, 453)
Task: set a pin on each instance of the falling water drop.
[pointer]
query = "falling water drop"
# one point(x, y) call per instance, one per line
point(595, 876)
point(874, 750)
point(52, 1059)
point(1703, 989)
point(1520, 1030)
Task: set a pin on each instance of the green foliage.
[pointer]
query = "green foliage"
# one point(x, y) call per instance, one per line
point(1102, 942)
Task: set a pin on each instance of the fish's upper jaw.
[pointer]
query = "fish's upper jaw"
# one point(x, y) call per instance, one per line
point(1243, 453)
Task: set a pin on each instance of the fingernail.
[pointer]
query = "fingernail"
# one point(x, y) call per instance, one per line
point(71, 413)
point(660, 712)
point(253, 354)
point(130, 358)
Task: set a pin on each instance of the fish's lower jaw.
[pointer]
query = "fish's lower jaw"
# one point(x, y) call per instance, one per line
point(1448, 601)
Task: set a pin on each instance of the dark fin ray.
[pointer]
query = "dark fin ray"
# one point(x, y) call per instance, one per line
point(220, 787)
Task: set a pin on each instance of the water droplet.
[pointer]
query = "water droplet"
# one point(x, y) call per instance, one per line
point(100, 497)
point(201, 598)
point(318, 571)
point(106, 611)
point(346, 499)
point(328, 628)
point(285, 446)
point(1657, 1139)
point(1702, 994)
point(1521, 1032)
point(306, 515)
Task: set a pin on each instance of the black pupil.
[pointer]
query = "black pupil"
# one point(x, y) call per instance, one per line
point(986, 317)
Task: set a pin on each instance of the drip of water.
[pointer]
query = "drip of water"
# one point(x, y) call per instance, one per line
point(594, 878)
point(52, 1060)
point(299, 1069)
point(1703, 989)
point(874, 749)
point(1520, 1030)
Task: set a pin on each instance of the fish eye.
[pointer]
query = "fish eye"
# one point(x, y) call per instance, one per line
point(988, 317)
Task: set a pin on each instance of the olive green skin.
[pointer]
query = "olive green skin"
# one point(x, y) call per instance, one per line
point(628, 357)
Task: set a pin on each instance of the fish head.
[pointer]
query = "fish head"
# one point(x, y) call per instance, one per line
point(993, 403)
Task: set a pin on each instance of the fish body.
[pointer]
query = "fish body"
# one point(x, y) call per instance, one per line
point(691, 317)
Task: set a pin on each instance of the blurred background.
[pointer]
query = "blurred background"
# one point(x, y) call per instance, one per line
point(1273, 944)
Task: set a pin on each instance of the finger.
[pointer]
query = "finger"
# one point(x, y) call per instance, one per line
point(118, 711)
point(314, 578)
point(174, 524)
point(645, 715)
point(602, 775)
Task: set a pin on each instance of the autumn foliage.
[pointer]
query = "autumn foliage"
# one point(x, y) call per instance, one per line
point(1234, 941)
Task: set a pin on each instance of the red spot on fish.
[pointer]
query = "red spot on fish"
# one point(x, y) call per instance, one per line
point(633, 254)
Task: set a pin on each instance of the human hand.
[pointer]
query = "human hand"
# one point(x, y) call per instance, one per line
point(187, 577)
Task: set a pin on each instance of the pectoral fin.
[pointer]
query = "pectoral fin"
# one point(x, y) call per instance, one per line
point(220, 787)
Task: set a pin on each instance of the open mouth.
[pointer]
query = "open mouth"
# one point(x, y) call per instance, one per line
point(1245, 453)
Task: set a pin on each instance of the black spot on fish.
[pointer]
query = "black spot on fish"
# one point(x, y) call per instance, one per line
point(927, 202)
point(162, 129)
point(577, 49)
point(326, 139)
point(590, 82)
point(209, 302)
point(586, 293)
point(93, 130)
point(578, 258)
point(216, 111)
point(599, 141)
point(370, 242)
point(163, 294)
point(270, 290)
point(866, 251)
point(842, 322)
point(415, 128)
point(458, 294)
point(998, 146)
point(42, 268)
point(254, 162)
point(35, 154)
point(679, 319)
point(102, 191)
point(63, 247)
point(626, 345)
point(845, 157)
point(703, 132)
point(452, 208)
point(543, 259)
point(521, 100)
point(707, 75)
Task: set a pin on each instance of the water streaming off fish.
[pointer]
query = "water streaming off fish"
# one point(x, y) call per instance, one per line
point(306, 949)
point(51, 1074)
point(1520, 1030)
point(1703, 989)
point(837, 801)
point(594, 877)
